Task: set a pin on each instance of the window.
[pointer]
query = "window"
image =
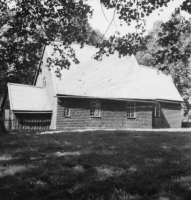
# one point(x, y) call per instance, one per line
point(95, 106)
point(157, 110)
point(130, 109)
point(66, 112)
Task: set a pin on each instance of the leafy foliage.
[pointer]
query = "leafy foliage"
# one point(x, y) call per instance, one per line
point(130, 11)
point(30, 25)
point(27, 26)
point(144, 55)
point(174, 56)
point(186, 6)
point(94, 36)
point(168, 48)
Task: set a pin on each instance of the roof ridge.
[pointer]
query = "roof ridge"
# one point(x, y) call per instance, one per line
point(74, 43)
point(25, 85)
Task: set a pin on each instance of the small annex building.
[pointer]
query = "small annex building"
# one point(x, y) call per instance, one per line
point(115, 93)
point(26, 107)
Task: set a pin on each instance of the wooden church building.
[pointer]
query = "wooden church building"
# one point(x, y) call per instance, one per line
point(115, 93)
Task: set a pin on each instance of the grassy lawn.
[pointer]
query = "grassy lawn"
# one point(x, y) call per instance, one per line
point(99, 165)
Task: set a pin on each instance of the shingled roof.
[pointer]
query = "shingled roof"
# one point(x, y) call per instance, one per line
point(28, 98)
point(113, 78)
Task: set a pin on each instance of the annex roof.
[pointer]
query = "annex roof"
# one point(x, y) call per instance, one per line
point(114, 78)
point(28, 98)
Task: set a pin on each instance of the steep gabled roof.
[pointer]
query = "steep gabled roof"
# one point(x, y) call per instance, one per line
point(113, 77)
point(28, 98)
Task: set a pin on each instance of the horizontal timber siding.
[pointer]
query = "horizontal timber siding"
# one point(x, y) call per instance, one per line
point(170, 116)
point(113, 115)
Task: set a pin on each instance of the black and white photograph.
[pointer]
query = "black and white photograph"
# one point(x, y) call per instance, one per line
point(95, 99)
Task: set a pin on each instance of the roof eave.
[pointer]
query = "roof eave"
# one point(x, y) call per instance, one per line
point(40, 62)
point(121, 99)
point(32, 111)
point(170, 101)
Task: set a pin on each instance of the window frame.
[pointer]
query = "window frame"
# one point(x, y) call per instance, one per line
point(157, 109)
point(93, 108)
point(131, 109)
point(68, 114)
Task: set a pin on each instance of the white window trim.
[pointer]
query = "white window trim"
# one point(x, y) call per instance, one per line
point(93, 108)
point(130, 108)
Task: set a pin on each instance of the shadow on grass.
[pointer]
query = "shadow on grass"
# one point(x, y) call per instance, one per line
point(96, 165)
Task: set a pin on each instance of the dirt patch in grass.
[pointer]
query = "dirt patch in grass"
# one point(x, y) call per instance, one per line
point(96, 165)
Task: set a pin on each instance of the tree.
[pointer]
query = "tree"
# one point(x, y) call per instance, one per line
point(168, 48)
point(94, 36)
point(29, 25)
point(46, 21)
point(33, 24)
point(144, 55)
point(174, 55)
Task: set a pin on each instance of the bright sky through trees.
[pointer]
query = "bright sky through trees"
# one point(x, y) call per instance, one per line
point(101, 22)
